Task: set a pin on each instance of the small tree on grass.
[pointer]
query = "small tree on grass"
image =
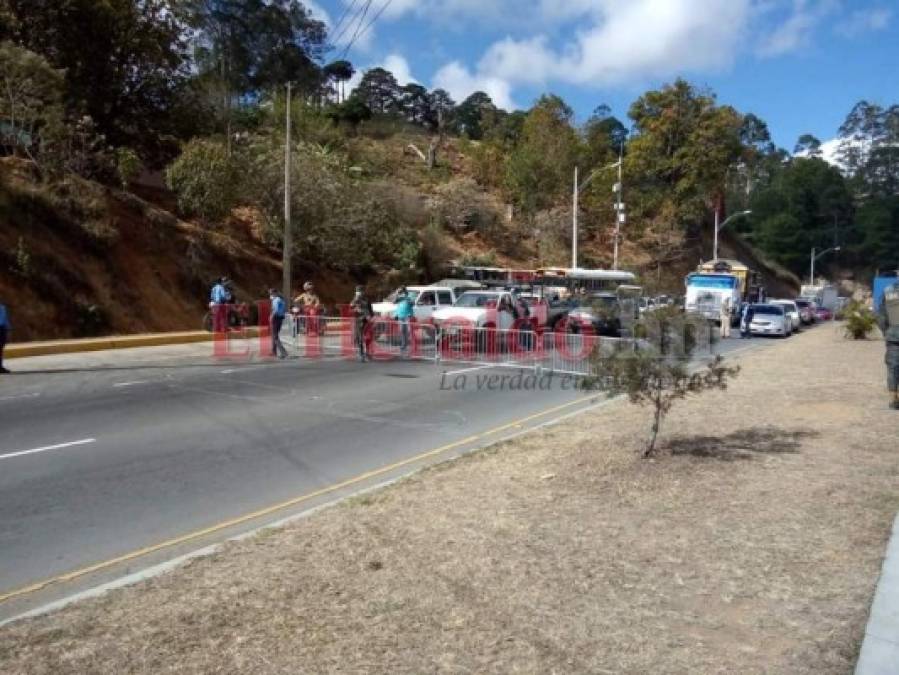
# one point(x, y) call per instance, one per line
point(657, 372)
point(860, 320)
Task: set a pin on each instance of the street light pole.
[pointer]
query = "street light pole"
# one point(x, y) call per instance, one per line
point(574, 223)
point(619, 207)
point(720, 227)
point(815, 257)
point(288, 234)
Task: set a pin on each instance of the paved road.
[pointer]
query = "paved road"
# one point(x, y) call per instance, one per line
point(105, 453)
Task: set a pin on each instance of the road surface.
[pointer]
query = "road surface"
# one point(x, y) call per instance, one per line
point(107, 453)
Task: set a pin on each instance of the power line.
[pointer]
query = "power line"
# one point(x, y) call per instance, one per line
point(355, 37)
point(375, 18)
point(349, 23)
point(346, 11)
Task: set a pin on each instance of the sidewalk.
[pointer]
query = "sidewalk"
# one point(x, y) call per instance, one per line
point(753, 545)
point(880, 650)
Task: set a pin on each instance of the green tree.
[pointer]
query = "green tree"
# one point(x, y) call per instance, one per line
point(204, 179)
point(808, 146)
point(379, 90)
point(878, 222)
point(30, 98)
point(539, 168)
point(685, 144)
point(340, 72)
point(124, 62)
point(416, 104)
point(805, 206)
point(249, 46)
point(469, 115)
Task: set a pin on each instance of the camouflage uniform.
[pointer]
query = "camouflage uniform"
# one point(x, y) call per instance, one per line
point(888, 318)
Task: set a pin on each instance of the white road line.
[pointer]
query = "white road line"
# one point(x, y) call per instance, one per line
point(20, 396)
point(130, 384)
point(58, 446)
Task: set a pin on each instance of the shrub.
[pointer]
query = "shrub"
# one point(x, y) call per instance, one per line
point(487, 259)
point(461, 206)
point(860, 320)
point(203, 178)
point(128, 165)
point(657, 372)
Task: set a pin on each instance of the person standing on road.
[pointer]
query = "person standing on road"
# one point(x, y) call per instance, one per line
point(725, 318)
point(403, 314)
point(746, 321)
point(5, 327)
point(362, 314)
point(218, 305)
point(275, 321)
point(309, 305)
point(888, 318)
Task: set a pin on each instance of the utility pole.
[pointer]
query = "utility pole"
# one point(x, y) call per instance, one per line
point(574, 223)
point(288, 235)
point(620, 217)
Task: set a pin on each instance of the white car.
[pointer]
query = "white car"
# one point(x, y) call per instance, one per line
point(479, 309)
point(769, 319)
point(792, 311)
point(425, 300)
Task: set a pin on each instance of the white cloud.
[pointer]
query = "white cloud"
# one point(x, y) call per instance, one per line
point(865, 21)
point(460, 83)
point(318, 12)
point(626, 40)
point(399, 66)
point(796, 31)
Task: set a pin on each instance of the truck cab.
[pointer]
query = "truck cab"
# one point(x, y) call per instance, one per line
point(707, 292)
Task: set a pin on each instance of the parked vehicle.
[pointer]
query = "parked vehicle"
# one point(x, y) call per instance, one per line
point(806, 311)
point(792, 312)
point(601, 312)
point(823, 314)
point(769, 319)
point(478, 309)
point(425, 300)
point(824, 295)
point(707, 292)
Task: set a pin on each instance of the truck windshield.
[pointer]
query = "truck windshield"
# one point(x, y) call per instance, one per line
point(393, 296)
point(711, 281)
point(476, 299)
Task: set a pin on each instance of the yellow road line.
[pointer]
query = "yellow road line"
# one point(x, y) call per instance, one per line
point(97, 567)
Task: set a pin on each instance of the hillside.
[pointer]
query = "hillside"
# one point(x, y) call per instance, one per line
point(79, 259)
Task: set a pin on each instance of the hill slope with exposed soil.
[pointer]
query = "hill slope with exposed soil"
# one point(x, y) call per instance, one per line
point(80, 259)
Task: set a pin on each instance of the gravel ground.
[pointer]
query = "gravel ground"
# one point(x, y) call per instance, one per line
point(751, 545)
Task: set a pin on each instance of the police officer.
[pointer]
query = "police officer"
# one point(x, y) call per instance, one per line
point(362, 313)
point(888, 318)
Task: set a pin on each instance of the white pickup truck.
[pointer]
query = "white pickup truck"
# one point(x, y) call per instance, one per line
point(479, 309)
point(425, 300)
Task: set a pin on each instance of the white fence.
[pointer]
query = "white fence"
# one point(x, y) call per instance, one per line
point(385, 339)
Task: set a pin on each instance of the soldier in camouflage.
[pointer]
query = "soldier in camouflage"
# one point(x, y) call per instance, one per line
point(888, 318)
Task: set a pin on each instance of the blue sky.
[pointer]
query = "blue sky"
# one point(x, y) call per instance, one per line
point(798, 64)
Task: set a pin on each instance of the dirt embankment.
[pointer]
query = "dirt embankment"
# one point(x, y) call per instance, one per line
point(78, 259)
point(751, 546)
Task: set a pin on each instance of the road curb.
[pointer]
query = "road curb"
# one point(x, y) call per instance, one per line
point(25, 349)
point(880, 647)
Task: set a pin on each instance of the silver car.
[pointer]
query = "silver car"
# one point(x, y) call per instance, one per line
point(770, 319)
point(792, 312)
